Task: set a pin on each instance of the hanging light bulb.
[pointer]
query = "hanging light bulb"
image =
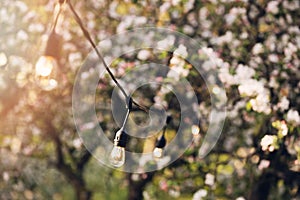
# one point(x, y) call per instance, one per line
point(117, 156)
point(161, 142)
point(47, 66)
point(44, 69)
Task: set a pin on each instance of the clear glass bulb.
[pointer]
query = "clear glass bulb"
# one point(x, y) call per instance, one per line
point(157, 153)
point(117, 156)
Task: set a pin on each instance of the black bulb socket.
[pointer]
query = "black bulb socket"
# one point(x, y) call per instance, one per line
point(161, 142)
point(120, 138)
point(168, 119)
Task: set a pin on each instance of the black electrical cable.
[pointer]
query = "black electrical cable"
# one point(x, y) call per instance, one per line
point(88, 37)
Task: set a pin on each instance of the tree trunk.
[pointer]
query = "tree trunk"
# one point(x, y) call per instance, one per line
point(81, 192)
point(136, 188)
point(263, 186)
point(135, 193)
point(78, 184)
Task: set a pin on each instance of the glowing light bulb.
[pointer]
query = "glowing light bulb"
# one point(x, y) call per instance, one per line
point(45, 66)
point(3, 59)
point(157, 153)
point(44, 72)
point(117, 156)
point(195, 130)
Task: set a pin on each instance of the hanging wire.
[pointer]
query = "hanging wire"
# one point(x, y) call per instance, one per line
point(56, 17)
point(88, 37)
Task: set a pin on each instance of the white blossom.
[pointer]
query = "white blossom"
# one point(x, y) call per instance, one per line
point(273, 58)
point(251, 87)
point(273, 82)
point(188, 5)
point(77, 143)
point(293, 117)
point(227, 38)
point(243, 73)
point(166, 43)
point(177, 61)
point(188, 29)
point(209, 179)
point(112, 10)
point(272, 7)
point(267, 142)
point(291, 5)
point(164, 7)
point(177, 72)
point(174, 193)
point(208, 64)
point(257, 49)
point(105, 44)
point(244, 35)
point(283, 128)
point(233, 13)
point(181, 51)
point(261, 103)
point(139, 20)
point(289, 51)
point(5, 176)
point(144, 54)
point(270, 42)
point(283, 104)
point(230, 18)
point(225, 76)
point(263, 164)
point(200, 194)
point(175, 2)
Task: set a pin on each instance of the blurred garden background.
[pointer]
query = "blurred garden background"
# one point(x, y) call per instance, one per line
point(253, 46)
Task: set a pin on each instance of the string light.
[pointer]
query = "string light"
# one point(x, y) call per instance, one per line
point(161, 142)
point(117, 156)
point(47, 65)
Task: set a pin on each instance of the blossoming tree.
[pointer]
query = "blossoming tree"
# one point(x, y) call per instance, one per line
point(253, 46)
